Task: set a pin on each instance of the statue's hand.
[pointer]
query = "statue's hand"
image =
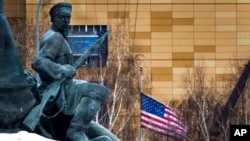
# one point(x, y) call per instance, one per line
point(68, 70)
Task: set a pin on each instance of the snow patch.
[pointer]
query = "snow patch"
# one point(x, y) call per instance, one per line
point(22, 136)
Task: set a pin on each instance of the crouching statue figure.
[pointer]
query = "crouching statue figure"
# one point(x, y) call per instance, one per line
point(61, 108)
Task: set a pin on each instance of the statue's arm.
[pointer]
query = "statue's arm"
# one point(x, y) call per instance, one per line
point(44, 63)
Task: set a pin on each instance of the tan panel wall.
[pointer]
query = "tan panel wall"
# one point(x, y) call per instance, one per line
point(172, 35)
point(14, 8)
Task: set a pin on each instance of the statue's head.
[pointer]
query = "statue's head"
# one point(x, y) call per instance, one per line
point(60, 15)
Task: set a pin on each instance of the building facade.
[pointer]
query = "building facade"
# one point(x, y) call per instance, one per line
point(172, 36)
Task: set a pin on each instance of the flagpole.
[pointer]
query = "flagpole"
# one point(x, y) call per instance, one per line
point(141, 74)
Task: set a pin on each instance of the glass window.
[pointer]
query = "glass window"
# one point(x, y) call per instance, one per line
point(82, 37)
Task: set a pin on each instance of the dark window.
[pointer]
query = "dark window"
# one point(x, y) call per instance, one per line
point(82, 37)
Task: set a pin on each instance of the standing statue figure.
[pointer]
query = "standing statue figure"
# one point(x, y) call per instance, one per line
point(77, 99)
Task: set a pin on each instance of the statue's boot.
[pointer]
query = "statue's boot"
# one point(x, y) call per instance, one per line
point(102, 138)
point(97, 132)
point(84, 114)
point(80, 123)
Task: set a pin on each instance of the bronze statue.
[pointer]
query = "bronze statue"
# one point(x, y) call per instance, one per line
point(77, 98)
point(66, 116)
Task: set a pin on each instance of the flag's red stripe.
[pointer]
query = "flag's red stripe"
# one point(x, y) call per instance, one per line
point(163, 132)
point(165, 120)
point(154, 123)
point(163, 124)
point(163, 128)
point(166, 127)
point(173, 119)
point(171, 112)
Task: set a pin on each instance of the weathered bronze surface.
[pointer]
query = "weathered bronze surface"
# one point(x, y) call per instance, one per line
point(69, 114)
point(16, 99)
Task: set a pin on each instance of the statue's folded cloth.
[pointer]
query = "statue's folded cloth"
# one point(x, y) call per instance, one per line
point(16, 99)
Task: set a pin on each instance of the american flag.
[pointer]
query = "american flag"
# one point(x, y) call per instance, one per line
point(160, 118)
